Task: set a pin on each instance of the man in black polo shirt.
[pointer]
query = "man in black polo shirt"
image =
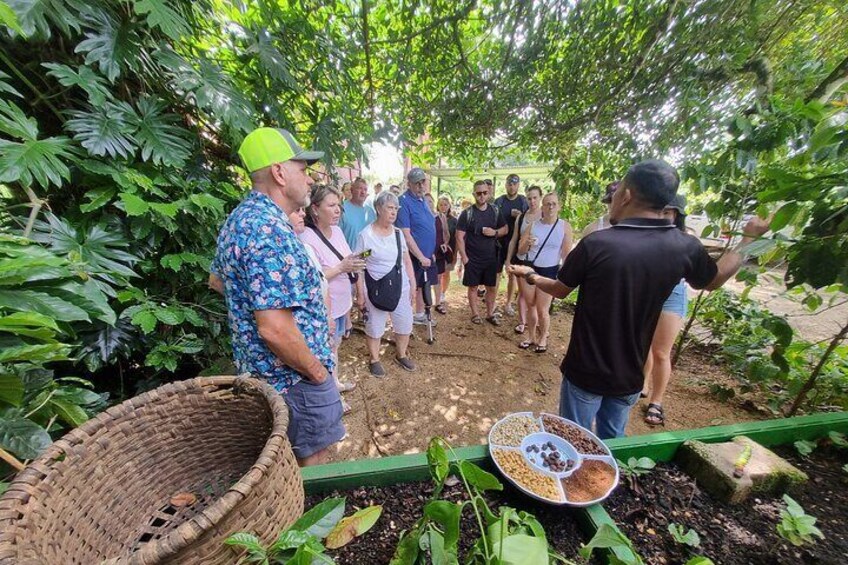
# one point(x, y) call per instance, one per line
point(625, 274)
point(477, 230)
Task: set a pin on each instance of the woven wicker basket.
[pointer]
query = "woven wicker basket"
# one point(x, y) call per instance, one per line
point(103, 493)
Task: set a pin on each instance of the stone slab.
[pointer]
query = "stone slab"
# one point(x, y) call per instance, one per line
point(712, 465)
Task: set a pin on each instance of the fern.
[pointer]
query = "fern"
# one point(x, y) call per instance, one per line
point(36, 16)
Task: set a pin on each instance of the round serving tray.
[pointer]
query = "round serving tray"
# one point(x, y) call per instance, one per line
point(531, 459)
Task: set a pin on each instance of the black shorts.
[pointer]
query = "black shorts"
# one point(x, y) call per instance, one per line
point(480, 273)
point(418, 269)
point(547, 272)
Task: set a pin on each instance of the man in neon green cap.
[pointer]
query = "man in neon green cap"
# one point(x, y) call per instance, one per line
point(277, 318)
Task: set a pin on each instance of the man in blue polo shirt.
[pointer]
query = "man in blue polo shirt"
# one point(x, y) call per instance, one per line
point(418, 225)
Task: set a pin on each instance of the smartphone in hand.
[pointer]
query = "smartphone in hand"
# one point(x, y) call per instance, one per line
point(365, 254)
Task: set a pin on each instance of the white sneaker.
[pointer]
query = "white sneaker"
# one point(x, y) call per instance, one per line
point(509, 310)
point(421, 320)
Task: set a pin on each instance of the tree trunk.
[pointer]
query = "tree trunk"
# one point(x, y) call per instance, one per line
point(837, 77)
point(678, 351)
point(811, 382)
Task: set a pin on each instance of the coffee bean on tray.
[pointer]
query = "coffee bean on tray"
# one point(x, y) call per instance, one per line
point(574, 435)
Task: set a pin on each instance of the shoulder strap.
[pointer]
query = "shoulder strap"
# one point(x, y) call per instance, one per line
point(326, 242)
point(539, 252)
point(400, 249)
point(521, 222)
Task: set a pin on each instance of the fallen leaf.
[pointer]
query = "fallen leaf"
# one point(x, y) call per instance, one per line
point(183, 499)
point(352, 526)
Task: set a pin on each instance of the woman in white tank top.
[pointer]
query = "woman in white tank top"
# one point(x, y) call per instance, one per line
point(544, 246)
point(522, 223)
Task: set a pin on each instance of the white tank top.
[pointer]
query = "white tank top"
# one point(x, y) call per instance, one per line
point(549, 255)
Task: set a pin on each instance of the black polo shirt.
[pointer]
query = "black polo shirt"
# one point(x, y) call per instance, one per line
point(625, 274)
point(480, 248)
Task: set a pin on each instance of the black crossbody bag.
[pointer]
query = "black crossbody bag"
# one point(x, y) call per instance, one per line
point(539, 252)
point(384, 293)
point(352, 277)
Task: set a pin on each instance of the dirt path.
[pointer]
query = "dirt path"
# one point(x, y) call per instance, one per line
point(473, 375)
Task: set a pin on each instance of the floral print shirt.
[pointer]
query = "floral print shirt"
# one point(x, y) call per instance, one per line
point(264, 266)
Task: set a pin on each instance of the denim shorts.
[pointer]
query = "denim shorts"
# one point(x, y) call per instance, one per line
point(315, 416)
point(339, 330)
point(677, 302)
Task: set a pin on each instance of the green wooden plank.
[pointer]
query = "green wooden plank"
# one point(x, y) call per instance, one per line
point(663, 446)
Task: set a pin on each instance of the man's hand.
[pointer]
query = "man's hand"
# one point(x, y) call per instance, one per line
point(755, 227)
point(318, 379)
point(464, 260)
point(425, 262)
point(488, 232)
point(520, 270)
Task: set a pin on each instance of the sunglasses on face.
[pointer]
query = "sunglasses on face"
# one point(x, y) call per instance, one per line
point(483, 193)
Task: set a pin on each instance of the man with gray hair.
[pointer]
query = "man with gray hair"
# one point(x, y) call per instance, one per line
point(418, 225)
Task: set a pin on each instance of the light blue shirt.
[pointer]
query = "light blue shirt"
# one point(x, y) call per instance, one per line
point(354, 219)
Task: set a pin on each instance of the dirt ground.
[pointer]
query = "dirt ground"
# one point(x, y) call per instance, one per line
point(473, 375)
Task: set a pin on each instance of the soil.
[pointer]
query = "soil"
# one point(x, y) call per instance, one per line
point(473, 375)
point(743, 534)
point(403, 504)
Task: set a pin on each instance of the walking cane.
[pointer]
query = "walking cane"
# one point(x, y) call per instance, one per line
point(428, 303)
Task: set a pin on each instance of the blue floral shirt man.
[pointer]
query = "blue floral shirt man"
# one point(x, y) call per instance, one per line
point(264, 266)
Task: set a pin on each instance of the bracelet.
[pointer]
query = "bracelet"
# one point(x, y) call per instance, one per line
point(530, 281)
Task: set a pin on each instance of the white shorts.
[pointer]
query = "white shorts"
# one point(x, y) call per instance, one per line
point(375, 327)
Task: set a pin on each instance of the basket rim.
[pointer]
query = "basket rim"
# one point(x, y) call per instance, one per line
point(191, 530)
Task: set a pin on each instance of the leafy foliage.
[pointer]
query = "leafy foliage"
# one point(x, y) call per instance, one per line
point(795, 525)
point(680, 535)
point(505, 535)
point(301, 542)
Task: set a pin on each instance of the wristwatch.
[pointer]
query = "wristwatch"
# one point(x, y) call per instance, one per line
point(531, 278)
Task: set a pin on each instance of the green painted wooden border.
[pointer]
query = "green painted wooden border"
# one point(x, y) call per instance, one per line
point(660, 447)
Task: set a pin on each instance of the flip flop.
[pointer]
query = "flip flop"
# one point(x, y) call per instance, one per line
point(494, 320)
point(540, 349)
point(525, 344)
point(476, 320)
point(519, 329)
point(440, 308)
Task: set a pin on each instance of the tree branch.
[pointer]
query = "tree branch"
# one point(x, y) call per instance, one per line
point(367, 46)
point(831, 84)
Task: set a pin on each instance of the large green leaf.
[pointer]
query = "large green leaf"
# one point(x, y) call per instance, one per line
point(134, 205)
point(447, 515)
point(321, 518)
point(11, 389)
point(105, 130)
point(108, 42)
point(29, 324)
point(41, 161)
point(68, 412)
point(9, 18)
point(23, 437)
point(521, 549)
point(37, 16)
point(42, 303)
point(160, 139)
point(15, 123)
point(40, 353)
point(160, 15)
point(83, 77)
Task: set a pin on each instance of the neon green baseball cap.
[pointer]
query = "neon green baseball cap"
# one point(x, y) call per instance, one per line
point(265, 146)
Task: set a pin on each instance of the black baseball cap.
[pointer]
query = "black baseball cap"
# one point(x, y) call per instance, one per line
point(512, 179)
